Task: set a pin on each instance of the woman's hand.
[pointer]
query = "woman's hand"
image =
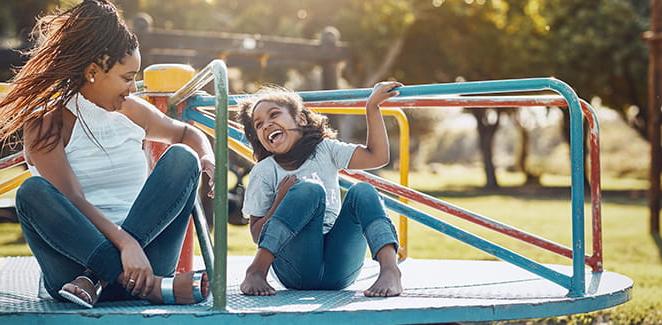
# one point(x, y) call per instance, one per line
point(381, 92)
point(138, 277)
point(208, 167)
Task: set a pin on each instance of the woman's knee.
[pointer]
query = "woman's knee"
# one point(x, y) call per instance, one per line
point(33, 188)
point(35, 185)
point(182, 157)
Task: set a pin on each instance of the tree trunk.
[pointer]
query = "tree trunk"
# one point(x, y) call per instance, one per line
point(487, 127)
point(522, 150)
point(654, 37)
point(386, 65)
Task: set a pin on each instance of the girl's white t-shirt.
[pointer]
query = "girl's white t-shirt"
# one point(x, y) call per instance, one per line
point(330, 156)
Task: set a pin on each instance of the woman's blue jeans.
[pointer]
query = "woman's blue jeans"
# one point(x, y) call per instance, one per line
point(306, 259)
point(65, 242)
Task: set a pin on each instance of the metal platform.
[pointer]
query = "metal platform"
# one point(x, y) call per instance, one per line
point(435, 291)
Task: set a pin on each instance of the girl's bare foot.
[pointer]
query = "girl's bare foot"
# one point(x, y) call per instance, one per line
point(388, 283)
point(182, 287)
point(255, 284)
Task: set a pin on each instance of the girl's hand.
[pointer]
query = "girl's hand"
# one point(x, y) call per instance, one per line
point(284, 186)
point(381, 92)
point(138, 277)
point(208, 167)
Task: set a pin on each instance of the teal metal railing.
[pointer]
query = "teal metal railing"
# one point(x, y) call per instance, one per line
point(216, 71)
point(576, 282)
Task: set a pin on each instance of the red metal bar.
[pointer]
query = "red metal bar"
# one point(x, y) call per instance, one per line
point(442, 206)
point(154, 151)
point(12, 160)
point(595, 260)
point(456, 101)
point(596, 193)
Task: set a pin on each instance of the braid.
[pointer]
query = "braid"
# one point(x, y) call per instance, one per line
point(66, 43)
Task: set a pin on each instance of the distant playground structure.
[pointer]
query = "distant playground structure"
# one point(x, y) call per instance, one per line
point(435, 291)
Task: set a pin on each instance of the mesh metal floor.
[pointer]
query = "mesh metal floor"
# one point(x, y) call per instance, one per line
point(435, 291)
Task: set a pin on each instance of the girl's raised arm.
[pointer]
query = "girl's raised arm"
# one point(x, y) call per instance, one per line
point(375, 153)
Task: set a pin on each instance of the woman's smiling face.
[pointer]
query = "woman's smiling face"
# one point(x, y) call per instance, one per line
point(276, 128)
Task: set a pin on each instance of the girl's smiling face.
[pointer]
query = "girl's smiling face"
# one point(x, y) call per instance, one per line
point(276, 128)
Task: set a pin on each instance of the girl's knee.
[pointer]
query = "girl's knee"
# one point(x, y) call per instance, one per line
point(362, 190)
point(308, 190)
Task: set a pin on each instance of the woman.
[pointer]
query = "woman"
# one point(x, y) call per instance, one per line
point(99, 226)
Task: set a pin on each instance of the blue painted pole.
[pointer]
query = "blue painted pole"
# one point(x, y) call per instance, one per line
point(472, 240)
point(577, 185)
point(190, 114)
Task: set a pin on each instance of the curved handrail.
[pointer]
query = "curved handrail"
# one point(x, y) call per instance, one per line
point(577, 282)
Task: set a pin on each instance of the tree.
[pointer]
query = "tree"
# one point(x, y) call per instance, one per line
point(479, 41)
point(597, 47)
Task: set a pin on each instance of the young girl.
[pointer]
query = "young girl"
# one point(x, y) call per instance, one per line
point(293, 198)
point(93, 217)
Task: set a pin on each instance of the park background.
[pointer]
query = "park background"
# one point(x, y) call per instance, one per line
point(511, 165)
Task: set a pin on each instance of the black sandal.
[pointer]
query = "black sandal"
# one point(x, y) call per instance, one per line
point(86, 283)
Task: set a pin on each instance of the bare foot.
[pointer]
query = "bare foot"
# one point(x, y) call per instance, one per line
point(183, 289)
point(388, 283)
point(255, 284)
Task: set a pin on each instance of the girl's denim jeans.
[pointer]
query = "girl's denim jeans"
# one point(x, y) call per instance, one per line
point(306, 259)
point(65, 242)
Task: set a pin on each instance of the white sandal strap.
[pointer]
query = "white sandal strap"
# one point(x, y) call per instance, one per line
point(167, 291)
point(88, 280)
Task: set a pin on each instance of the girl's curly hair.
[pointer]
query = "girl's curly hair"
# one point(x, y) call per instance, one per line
point(313, 132)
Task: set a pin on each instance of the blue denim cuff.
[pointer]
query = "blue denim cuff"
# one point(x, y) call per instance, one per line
point(379, 233)
point(275, 234)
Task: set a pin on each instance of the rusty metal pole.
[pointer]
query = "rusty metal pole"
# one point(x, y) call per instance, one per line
point(654, 38)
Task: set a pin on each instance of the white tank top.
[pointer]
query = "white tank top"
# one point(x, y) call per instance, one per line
point(111, 176)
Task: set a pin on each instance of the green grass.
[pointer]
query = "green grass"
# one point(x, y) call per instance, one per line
point(628, 249)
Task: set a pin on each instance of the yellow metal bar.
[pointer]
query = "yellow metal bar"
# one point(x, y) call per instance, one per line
point(233, 144)
point(14, 182)
point(403, 125)
point(4, 88)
